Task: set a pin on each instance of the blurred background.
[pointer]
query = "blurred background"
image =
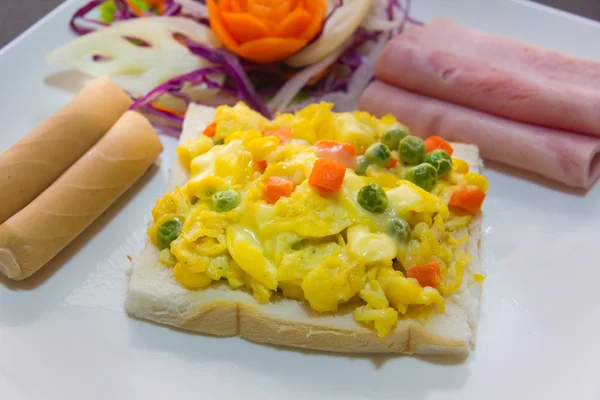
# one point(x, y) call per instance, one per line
point(17, 16)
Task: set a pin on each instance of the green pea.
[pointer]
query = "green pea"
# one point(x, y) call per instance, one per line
point(372, 198)
point(305, 243)
point(423, 175)
point(168, 232)
point(392, 136)
point(301, 244)
point(362, 163)
point(441, 161)
point(411, 150)
point(400, 229)
point(379, 154)
point(225, 200)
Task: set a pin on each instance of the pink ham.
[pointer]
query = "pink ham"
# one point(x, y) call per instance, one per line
point(558, 155)
point(496, 75)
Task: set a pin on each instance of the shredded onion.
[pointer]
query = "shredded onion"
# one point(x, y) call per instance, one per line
point(372, 23)
point(347, 100)
point(292, 87)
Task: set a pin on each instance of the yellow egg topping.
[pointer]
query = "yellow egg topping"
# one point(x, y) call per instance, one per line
point(321, 207)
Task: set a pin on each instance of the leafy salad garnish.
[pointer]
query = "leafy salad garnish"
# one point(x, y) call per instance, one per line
point(321, 70)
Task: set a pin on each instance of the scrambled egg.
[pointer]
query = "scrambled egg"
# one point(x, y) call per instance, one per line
point(314, 246)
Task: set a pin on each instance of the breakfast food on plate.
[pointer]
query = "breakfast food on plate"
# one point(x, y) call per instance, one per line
point(332, 231)
point(555, 154)
point(37, 160)
point(494, 74)
point(33, 236)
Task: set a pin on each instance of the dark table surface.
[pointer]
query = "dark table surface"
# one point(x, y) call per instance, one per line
point(16, 16)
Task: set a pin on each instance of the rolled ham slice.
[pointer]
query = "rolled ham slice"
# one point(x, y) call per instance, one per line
point(494, 74)
point(33, 236)
point(558, 155)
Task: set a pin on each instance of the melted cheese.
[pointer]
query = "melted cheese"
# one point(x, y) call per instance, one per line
point(315, 247)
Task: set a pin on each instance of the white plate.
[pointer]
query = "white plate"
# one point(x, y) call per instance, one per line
point(63, 334)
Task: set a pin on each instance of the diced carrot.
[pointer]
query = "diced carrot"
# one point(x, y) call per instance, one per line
point(155, 3)
point(436, 142)
point(327, 175)
point(261, 165)
point(283, 134)
point(210, 130)
point(341, 152)
point(160, 5)
point(469, 200)
point(276, 188)
point(393, 162)
point(427, 274)
point(168, 109)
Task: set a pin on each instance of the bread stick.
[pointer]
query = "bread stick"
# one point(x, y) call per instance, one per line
point(33, 236)
point(37, 160)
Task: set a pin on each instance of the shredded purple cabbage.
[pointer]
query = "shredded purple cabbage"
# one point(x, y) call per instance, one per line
point(339, 75)
point(362, 35)
point(250, 82)
point(404, 10)
point(123, 11)
point(350, 60)
point(226, 64)
point(177, 119)
point(234, 70)
point(172, 9)
point(174, 86)
point(81, 14)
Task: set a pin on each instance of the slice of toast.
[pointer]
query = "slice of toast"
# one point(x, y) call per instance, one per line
point(155, 295)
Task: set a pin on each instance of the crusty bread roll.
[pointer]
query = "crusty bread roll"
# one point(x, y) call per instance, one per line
point(37, 160)
point(33, 236)
point(155, 295)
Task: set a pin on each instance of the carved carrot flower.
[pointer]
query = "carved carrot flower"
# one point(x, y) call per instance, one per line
point(266, 30)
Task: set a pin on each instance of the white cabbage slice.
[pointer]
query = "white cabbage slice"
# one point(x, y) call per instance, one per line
point(135, 68)
point(342, 24)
